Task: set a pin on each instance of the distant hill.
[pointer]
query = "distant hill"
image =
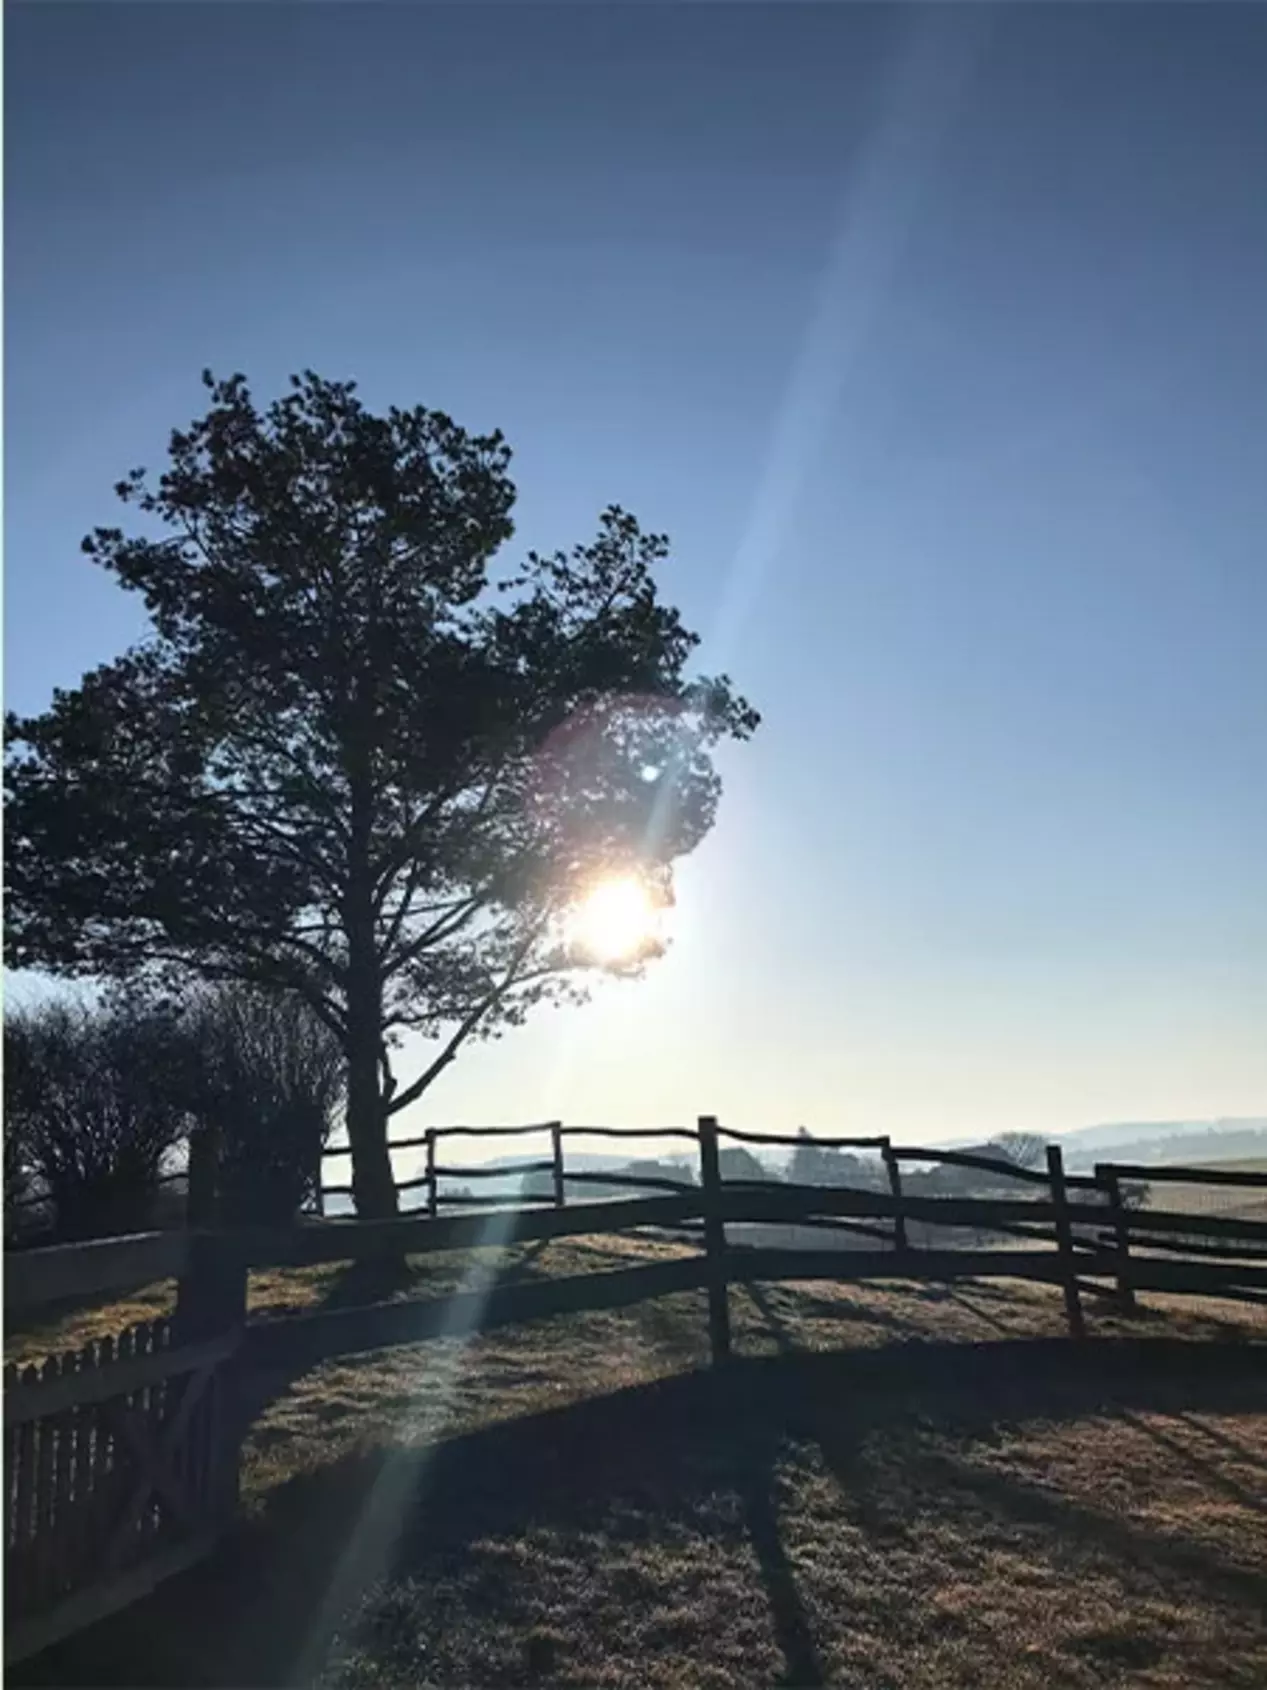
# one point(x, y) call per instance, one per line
point(1220, 1140)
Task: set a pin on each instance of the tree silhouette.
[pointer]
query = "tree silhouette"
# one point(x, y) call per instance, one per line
point(268, 1076)
point(348, 763)
point(94, 1096)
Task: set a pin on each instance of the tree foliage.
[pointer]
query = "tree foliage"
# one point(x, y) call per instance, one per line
point(1026, 1150)
point(349, 763)
point(736, 1163)
point(93, 1103)
point(814, 1164)
point(268, 1077)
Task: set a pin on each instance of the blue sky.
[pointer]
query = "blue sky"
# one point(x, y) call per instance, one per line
point(937, 341)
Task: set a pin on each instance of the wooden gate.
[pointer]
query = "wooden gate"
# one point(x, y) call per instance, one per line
point(120, 1470)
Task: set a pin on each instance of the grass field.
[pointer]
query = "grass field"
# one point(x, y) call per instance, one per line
point(1245, 1203)
point(894, 1486)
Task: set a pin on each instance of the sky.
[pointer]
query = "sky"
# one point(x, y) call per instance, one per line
point(936, 339)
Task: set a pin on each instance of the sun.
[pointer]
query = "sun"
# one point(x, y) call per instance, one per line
point(615, 920)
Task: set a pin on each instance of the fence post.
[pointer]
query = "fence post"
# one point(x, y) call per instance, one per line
point(894, 1171)
point(1064, 1240)
point(433, 1197)
point(714, 1240)
point(211, 1295)
point(556, 1142)
point(202, 1177)
point(1121, 1232)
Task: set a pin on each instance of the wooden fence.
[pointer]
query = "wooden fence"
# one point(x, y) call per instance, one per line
point(120, 1463)
point(1078, 1231)
point(117, 1474)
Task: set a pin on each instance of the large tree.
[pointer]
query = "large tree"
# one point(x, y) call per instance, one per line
point(349, 763)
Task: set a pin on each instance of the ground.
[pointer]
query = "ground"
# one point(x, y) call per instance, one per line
point(1246, 1202)
point(893, 1486)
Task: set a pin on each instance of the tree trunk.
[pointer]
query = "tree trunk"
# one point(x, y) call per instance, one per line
point(373, 1183)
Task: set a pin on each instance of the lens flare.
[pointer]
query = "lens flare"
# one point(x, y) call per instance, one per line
point(615, 921)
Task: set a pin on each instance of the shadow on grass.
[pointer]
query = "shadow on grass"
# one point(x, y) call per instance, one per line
point(1204, 1469)
point(270, 1607)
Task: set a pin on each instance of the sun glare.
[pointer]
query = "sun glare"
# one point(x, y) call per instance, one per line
point(615, 920)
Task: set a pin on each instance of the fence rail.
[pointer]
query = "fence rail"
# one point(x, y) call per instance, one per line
point(1254, 1178)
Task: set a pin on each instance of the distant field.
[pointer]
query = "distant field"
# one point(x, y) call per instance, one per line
point(1246, 1204)
point(898, 1487)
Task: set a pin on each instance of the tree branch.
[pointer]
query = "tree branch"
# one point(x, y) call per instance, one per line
point(469, 1023)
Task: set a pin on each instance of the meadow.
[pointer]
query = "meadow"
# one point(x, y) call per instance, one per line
point(892, 1485)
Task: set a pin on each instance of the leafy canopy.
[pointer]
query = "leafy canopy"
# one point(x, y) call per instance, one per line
point(348, 762)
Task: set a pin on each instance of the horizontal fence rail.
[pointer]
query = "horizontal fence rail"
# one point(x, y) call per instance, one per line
point(66, 1271)
point(1255, 1179)
point(967, 1159)
point(791, 1140)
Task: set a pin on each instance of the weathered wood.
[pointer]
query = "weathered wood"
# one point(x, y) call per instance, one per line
point(145, 1405)
point(1149, 1273)
point(453, 1132)
point(1229, 1228)
point(33, 1278)
point(629, 1132)
point(62, 1524)
point(151, 1466)
point(893, 1169)
point(42, 1547)
point(760, 1202)
point(34, 1397)
point(793, 1139)
point(968, 1159)
point(1256, 1178)
point(1226, 1251)
point(17, 1564)
point(487, 1132)
point(714, 1241)
point(85, 1465)
point(770, 1201)
point(1064, 1241)
point(556, 1159)
point(100, 1477)
point(431, 1177)
point(1121, 1235)
point(315, 1337)
point(629, 1182)
point(10, 1461)
point(349, 1240)
point(484, 1171)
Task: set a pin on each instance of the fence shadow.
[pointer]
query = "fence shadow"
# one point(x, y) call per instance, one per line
point(268, 1608)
